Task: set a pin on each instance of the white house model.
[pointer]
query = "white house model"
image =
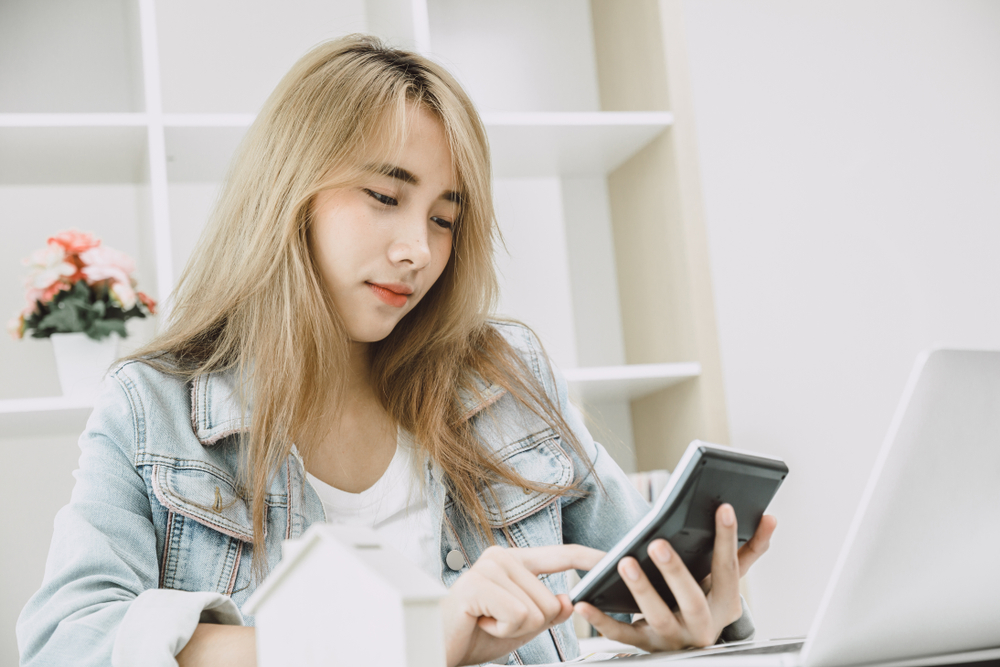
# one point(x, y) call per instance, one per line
point(342, 596)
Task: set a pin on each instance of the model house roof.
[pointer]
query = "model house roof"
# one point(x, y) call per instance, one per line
point(363, 548)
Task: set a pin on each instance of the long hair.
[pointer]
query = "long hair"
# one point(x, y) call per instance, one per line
point(252, 300)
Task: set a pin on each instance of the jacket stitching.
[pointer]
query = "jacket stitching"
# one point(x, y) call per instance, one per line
point(527, 442)
point(195, 410)
point(166, 547)
point(138, 415)
point(236, 568)
point(516, 537)
point(515, 513)
point(288, 494)
point(556, 517)
point(226, 562)
point(227, 527)
point(170, 562)
point(271, 499)
point(479, 407)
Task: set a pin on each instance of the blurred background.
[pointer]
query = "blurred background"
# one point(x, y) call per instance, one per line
point(735, 220)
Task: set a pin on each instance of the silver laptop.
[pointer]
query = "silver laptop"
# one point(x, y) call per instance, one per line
point(918, 579)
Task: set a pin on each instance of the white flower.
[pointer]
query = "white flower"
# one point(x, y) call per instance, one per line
point(124, 294)
point(48, 266)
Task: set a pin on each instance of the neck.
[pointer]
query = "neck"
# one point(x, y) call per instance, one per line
point(359, 376)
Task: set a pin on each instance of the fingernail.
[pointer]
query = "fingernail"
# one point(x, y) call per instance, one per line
point(660, 552)
point(631, 570)
point(728, 515)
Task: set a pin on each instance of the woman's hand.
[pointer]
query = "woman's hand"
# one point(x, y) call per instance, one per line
point(500, 604)
point(703, 609)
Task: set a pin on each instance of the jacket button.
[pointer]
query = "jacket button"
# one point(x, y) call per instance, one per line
point(455, 560)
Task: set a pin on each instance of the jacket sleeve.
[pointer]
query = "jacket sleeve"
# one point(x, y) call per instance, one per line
point(611, 506)
point(103, 557)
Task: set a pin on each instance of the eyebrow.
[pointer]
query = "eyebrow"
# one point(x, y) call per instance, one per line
point(400, 174)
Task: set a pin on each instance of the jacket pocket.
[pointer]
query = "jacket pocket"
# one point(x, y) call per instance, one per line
point(538, 457)
point(209, 499)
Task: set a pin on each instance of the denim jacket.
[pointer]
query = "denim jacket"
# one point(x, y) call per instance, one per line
point(157, 538)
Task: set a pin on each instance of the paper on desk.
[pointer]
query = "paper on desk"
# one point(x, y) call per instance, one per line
point(590, 658)
point(598, 649)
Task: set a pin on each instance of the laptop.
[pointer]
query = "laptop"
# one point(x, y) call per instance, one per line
point(917, 582)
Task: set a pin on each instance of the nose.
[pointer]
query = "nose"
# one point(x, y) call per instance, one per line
point(410, 245)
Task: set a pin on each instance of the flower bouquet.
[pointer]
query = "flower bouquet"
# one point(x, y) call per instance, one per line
point(78, 285)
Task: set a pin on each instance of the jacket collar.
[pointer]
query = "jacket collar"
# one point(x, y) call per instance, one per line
point(215, 410)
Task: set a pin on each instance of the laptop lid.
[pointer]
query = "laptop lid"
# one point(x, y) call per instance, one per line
point(919, 572)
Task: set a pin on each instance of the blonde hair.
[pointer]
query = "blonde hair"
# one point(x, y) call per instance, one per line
point(252, 299)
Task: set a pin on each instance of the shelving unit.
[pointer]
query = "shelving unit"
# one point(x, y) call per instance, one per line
point(596, 187)
point(628, 382)
point(31, 417)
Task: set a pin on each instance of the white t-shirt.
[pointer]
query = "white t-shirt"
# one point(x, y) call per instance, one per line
point(395, 506)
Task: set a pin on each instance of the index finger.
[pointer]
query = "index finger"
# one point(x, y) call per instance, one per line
point(758, 544)
point(557, 558)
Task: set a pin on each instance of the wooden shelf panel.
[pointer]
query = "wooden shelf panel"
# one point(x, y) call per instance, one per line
point(629, 382)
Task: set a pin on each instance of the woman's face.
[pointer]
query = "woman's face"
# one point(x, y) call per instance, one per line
point(381, 245)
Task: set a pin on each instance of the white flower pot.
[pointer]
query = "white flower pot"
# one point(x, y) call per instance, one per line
point(82, 361)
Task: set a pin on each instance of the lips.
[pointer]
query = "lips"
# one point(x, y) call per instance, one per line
point(393, 294)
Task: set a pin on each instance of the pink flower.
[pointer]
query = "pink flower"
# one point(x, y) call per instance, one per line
point(48, 266)
point(15, 327)
point(104, 263)
point(147, 301)
point(74, 241)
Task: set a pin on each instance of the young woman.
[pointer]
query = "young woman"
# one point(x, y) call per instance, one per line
point(330, 357)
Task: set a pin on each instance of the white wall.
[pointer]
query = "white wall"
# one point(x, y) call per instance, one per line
point(37, 480)
point(850, 155)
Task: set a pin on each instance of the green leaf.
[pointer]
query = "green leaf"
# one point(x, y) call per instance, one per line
point(103, 328)
point(63, 319)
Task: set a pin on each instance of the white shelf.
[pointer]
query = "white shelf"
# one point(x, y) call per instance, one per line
point(524, 144)
point(55, 415)
point(73, 119)
point(629, 382)
point(61, 415)
point(569, 143)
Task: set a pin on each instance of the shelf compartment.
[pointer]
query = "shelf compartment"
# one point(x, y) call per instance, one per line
point(56, 415)
point(569, 143)
point(232, 57)
point(72, 153)
point(202, 153)
point(80, 56)
point(518, 55)
point(627, 382)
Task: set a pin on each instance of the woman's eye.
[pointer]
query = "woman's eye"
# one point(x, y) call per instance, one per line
point(444, 224)
point(385, 200)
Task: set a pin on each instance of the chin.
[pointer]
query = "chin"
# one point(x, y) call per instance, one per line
point(370, 333)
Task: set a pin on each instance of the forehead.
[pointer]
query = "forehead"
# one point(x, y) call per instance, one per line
point(415, 146)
